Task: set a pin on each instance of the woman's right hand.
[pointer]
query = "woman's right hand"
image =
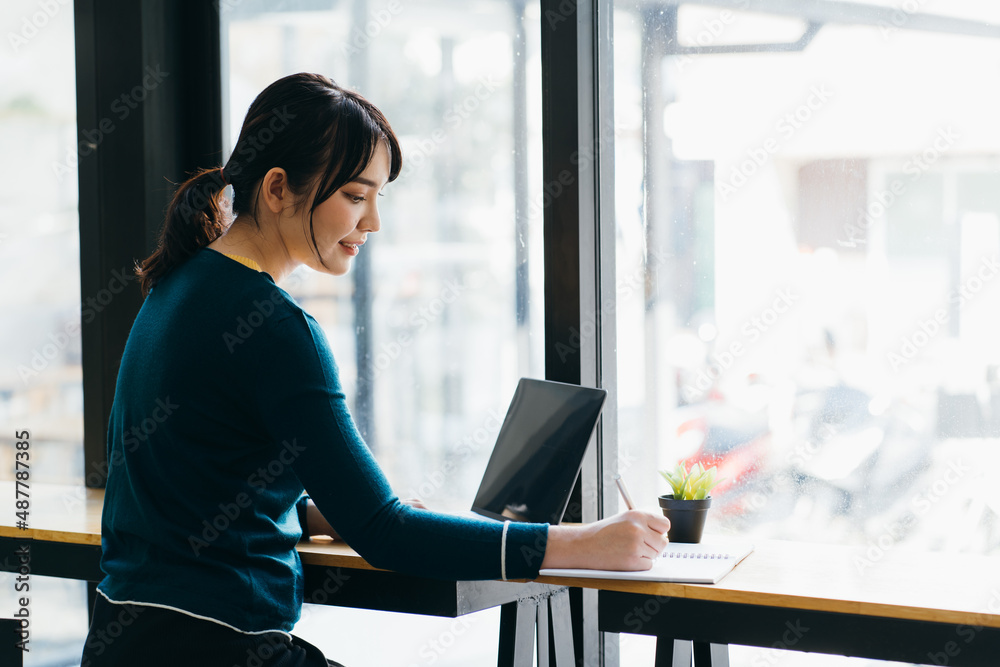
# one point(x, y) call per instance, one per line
point(626, 541)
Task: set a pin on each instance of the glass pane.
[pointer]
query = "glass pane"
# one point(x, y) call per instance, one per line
point(41, 381)
point(442, 312)
point(807, 241)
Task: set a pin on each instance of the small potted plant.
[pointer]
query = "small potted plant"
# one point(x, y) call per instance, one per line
point(687, 507)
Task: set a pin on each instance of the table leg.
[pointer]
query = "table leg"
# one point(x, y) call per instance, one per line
point(543, 634)
point(10, 634)
point(561, 630)
point(673, 653)
point(91, 601)
point(711, 655)
point(517, 634)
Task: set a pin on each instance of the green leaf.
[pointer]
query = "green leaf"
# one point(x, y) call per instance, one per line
point(673, 480)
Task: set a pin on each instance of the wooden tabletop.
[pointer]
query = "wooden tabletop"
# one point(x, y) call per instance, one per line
point(57, 513)
point(947, 588)
point(891, 583)
point(72, 515)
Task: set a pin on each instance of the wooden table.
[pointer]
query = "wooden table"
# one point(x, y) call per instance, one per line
point(883, 603)
point(65, 541)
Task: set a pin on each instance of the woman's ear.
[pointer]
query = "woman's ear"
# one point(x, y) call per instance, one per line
point(274, 190)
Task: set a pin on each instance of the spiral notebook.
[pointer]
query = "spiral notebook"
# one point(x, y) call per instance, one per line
point(679, 564)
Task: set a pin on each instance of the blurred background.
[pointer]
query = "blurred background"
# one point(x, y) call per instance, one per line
point(807, 217)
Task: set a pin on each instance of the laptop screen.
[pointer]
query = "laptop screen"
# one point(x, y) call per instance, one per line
point(539, 451)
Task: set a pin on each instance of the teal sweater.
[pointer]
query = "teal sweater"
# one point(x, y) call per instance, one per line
point(228, 408)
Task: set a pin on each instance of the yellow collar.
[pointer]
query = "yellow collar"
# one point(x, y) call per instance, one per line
point(245, 261)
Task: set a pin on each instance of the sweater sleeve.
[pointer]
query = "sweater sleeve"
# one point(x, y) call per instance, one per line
point(302, 405)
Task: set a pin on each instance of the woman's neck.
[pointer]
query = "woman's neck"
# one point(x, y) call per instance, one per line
point(241, 239)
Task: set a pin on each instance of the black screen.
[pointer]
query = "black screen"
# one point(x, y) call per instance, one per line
point(539, 451)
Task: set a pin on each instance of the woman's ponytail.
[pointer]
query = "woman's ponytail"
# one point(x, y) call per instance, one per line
point(196, 217)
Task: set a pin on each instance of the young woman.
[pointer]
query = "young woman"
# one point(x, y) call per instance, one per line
point(228, 409)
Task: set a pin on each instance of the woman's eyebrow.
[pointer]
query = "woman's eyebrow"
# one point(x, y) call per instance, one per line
point(365, 181)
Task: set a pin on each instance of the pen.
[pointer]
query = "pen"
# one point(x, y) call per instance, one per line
point(621, 487)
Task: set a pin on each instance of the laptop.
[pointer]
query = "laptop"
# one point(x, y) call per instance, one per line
point(539, 451)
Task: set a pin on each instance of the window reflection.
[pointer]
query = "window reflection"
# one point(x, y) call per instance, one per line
point(810, 202)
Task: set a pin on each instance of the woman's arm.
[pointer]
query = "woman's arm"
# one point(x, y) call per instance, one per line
point(318, 525)
point(627, 541)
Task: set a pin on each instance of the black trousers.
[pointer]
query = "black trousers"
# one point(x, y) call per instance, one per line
point(125, 635)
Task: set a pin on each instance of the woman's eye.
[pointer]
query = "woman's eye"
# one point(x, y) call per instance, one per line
point(357, 199)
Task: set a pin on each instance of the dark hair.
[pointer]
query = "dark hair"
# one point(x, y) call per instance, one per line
point(304, 123)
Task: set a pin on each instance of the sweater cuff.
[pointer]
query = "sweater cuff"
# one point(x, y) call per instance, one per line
point(301, 506)
point(526, 544)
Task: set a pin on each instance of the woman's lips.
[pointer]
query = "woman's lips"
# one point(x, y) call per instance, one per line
point(351, 248)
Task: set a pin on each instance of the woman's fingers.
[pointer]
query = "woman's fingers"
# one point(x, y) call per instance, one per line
point(658, 523)
point(641, 539)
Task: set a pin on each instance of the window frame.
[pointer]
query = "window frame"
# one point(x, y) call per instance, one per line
point(179, 128)
point(172, 50)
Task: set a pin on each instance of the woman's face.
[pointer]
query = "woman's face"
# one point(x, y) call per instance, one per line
point(342, 222)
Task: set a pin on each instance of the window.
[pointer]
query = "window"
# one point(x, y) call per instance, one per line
point(442, 312)
point(808, 236)
point(41, 387)
point(40, 373)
